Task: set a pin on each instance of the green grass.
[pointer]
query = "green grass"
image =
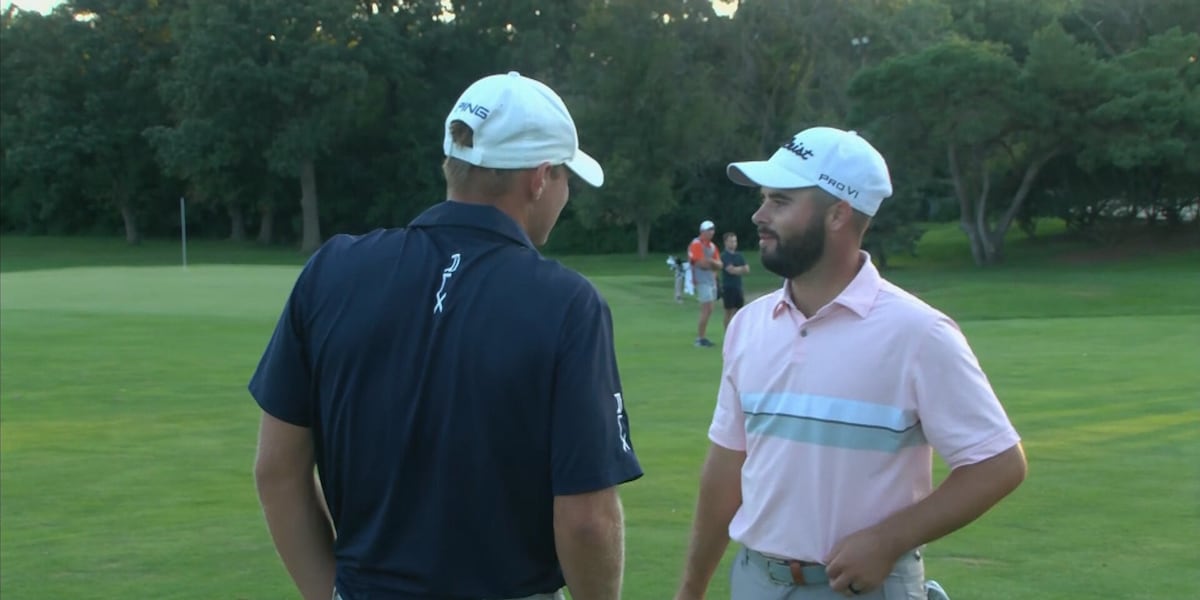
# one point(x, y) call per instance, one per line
point(127, 437)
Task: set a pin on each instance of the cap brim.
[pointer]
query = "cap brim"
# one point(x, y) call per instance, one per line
point(763, 173)
point(586, 168)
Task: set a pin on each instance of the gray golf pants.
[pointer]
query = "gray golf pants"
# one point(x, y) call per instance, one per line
point(753, 577)
point(555, 596)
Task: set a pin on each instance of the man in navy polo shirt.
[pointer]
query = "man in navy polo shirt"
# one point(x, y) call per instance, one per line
point(457, 392)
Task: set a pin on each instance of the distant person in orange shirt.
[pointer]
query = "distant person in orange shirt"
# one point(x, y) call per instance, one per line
point(705, 259)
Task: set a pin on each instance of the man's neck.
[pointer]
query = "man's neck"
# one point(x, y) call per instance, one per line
point(824, 282)
point(509, 205)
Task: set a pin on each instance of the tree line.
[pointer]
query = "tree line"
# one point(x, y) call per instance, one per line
point(289, 121)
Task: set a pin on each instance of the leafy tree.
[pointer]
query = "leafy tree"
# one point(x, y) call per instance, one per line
point(1120, 26)
point(791, 65)
point(41, 100)
point(266, 80)
point(1010, 23)
point(638, 58)
point(124, 54)
point(1151, 125)
point(997, 112)
point(997, 123)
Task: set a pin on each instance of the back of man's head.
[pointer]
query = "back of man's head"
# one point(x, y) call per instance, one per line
point(506, 123)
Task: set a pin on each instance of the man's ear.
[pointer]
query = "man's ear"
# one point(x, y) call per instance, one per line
point(538, 179)
point(841, 217)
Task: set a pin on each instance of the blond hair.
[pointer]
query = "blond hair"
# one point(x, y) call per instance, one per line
point(462, 175)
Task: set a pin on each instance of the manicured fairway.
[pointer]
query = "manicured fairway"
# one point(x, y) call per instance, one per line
point(126, 434)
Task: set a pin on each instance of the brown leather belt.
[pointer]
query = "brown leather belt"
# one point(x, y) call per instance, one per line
point(794, 572)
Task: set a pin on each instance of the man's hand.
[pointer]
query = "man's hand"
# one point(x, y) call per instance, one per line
point(863, 559)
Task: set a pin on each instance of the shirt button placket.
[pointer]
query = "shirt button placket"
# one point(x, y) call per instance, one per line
point(801, 350)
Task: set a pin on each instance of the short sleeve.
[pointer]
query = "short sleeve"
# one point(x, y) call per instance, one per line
point(960, 414)
point(728, 428)
point(591, 442)
point(283, 384)
point(695, 251)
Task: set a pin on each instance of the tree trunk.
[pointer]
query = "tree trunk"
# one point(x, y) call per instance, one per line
point(995, 246)
point(1172, 215)
point(965, 220)
point(1154, 205)
point(643, 237)
point(311, 238)
point(1018, 199)
point(237, 223)
point(977, 252)
point(987, 243)
point(132, 235)
point(266, 228)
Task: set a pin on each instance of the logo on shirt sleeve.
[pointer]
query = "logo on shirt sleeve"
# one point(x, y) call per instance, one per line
point(621, 432)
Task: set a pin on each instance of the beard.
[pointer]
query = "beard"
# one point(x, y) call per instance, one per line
point(795, 257)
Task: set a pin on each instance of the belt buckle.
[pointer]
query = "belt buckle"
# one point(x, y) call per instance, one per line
point(789, 572)
point(786, 572)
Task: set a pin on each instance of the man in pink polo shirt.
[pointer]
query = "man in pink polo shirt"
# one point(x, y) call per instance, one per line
point(836, 391)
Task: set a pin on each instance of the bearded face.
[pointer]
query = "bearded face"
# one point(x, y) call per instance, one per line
point(791, 235)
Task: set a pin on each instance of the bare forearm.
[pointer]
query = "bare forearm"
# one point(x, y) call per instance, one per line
point(720, 497)
point(302, 533)
point(591, 549)
point(710, 538)
point(964, 496)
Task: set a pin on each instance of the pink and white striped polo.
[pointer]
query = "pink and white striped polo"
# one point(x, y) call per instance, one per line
point(839, 414)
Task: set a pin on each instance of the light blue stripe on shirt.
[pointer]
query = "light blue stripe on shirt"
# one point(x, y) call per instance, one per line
point(834, 422)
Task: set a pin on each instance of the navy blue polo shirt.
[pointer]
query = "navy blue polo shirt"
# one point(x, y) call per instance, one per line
point(731, 259)
point(455, 381)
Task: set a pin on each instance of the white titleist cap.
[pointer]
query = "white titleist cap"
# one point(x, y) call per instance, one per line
point(839, 162)
point(705, 226)
point(518, 123)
